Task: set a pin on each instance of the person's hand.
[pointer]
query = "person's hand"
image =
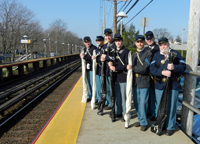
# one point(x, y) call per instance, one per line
point(82, 55)
point(166, 73)
point(103, 56)
point(93, 57)
point(110, 64)
point(112, 68)
point(170, 67)
point(102, 59)
point(129, 67)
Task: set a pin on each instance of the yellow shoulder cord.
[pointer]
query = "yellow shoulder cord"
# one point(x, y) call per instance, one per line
point(139, 58)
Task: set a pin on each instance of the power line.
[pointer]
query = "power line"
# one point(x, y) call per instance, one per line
point(108, 18)
point(122, 6)
point(127, 5)
point(139, 12)
point(130, 8)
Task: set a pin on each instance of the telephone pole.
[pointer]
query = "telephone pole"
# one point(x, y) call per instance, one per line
point(191, 65)
point(104, 15)
point(115, 17)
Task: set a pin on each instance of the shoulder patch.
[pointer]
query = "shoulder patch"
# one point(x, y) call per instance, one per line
point(153, 62)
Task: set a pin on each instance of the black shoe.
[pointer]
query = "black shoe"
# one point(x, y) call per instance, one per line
point(118, 115)
point(169, 132)
point(88, 100)
point(122, 120)
point(153, 119)
point(100, 113)
point(107, 108)
point(143, 128)
point(137, 124)
point(96, 102)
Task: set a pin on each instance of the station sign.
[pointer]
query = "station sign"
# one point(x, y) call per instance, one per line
point(25, 41)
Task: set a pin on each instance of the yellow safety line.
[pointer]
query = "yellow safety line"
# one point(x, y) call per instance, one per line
point(65, 125)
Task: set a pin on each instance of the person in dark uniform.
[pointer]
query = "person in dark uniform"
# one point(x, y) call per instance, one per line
point(140, 66)
point(100, 43)
point(153, 48)
point(120, 68)
point(87, 55)
point(105, 57)
point(160, 68)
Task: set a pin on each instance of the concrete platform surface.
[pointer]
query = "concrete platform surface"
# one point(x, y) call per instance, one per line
point(97, 129)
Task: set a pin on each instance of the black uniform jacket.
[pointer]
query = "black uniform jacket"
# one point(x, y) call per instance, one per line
point(88, 57)
point(110, 57)
point(121, 64)
point(156, 69)
point(141, 69)
point(154, 50)
point(98, 60)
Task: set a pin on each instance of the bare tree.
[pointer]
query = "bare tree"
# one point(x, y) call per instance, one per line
point(15, 20)
point(58, 32)
point(162, 32)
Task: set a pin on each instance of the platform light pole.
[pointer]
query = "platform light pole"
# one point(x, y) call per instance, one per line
point(45, 47)
point(122, 15)
point(182, 41)
point(72, 49)
point(56, 48)
point(63, 44)
point(25, 37)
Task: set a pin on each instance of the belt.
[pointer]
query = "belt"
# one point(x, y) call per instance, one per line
point(164, 79)
point(145, 76)
point(137, 75)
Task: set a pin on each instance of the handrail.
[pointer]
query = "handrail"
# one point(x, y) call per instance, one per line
point(192, 73)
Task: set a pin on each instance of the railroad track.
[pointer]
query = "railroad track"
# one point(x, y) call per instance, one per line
point(23, 102)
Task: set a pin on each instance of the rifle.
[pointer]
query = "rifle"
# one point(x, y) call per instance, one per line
point(112, 80)
point(103, 88)
point(162, 109)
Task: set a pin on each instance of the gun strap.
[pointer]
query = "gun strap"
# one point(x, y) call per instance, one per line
point(139, 58)
point(120, 59)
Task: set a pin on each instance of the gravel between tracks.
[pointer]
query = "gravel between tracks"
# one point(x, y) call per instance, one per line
point(24, 128)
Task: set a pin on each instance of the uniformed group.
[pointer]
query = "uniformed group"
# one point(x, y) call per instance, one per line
point(150, 69)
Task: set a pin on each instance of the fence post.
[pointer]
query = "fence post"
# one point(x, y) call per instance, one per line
point(191, 61)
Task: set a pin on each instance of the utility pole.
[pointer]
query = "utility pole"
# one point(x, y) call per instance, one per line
point(101, 28)
point(115, 17)
point(104, 15)
point(193, 44)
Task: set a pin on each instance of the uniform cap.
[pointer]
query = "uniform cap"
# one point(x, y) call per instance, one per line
point(140, 38)
point(87, 38)
point(100, 38)
point(118, 37)
point(163, 40)
point(107, 31)
point(149, 35)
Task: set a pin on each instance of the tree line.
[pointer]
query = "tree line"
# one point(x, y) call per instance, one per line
point(16, 20)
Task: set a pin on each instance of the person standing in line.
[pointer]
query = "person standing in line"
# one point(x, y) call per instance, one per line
point(140, 66)
point(87, 56)
point(120, 68)
point(153, 48)
point(160, 68)
point(100, 43)
point(105, 57)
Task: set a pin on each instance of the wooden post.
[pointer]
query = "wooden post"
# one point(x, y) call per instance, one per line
point(191, 61)
point(115, 17)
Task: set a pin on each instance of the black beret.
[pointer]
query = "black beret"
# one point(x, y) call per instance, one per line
point(149, 35)
point(100, 38)
point(118, 37)
point(108, 31)
point(140, 38)
point(87, 38)
point(163, 40)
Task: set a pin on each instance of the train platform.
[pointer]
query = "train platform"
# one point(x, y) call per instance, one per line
point(75, 122)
